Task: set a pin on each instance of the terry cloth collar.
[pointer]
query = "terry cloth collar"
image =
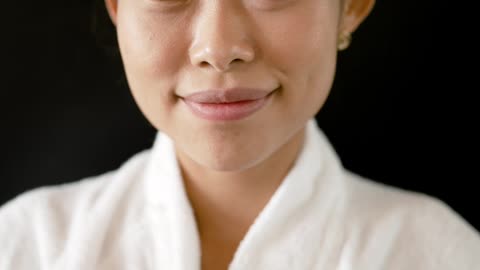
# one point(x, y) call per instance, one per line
point(295, 230)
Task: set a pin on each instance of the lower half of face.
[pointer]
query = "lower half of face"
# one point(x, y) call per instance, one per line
point(294, 55)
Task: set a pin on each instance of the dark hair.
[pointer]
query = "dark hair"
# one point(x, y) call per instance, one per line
point(105, 36)
point(103, 28)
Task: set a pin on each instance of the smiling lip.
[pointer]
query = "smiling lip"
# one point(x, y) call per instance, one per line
point(226, 105)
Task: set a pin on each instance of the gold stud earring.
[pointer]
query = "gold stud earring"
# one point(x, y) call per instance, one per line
point(344, 41)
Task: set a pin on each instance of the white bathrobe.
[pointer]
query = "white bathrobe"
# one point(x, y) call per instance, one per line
point(138, 217)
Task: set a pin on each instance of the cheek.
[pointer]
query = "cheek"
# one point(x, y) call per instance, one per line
point(152, 54)
point(303, 49)
point(150, 47)
point(296, 36)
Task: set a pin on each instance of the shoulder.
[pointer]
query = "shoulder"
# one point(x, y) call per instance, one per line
point(85, 193)
point(416, 229)
point(418, 209)
point(36, 224)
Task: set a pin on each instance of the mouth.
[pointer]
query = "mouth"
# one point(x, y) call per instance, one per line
point(227, 111)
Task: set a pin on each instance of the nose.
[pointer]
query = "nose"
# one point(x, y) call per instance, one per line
point(221, 38)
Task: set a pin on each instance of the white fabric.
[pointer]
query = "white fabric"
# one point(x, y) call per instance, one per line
point(321, 217)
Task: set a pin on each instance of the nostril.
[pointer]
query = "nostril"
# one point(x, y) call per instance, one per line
point(204, 64)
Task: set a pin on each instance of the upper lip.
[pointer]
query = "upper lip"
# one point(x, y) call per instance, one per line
point(227, 95)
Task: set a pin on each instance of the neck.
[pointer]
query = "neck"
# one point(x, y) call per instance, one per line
point(221, 199)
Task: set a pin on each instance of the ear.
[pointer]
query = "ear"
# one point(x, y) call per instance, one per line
point(354, 12)
point(111, 6)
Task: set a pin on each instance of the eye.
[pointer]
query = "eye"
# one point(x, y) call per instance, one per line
point(270, 4)
point(168, 1)
point(168, 4)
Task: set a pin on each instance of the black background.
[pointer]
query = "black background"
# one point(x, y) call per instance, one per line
point(398, 111)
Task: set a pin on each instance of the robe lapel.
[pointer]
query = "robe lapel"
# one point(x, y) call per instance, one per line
point(293, 231)
point(167, 196)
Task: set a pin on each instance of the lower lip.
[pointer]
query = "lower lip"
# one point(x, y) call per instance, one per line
point(226, 111)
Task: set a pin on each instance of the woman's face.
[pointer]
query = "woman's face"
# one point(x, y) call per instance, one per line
point(173, 48)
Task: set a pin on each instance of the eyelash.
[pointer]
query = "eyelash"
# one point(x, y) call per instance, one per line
point(168, 5)
point(260, 4)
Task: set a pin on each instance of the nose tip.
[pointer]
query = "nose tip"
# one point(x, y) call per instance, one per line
point(221, 58)
point(221, 37)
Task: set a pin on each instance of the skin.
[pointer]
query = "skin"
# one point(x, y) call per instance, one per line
point(172, 48)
